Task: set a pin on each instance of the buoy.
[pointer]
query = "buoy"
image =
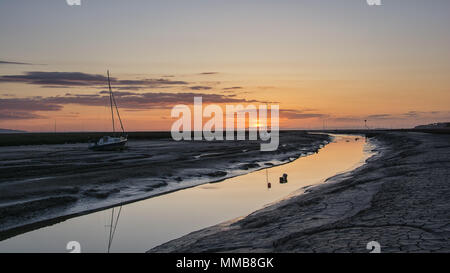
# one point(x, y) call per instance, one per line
point(283, 179)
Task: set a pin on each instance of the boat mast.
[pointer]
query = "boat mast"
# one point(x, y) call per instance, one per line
point(111, 102)
point(118, 115)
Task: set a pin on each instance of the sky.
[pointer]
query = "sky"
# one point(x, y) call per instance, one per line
point(326, 63)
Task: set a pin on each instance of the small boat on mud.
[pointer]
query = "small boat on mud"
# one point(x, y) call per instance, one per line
point(107, 143)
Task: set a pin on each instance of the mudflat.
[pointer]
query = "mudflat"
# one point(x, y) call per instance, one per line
point(400, 199)
point(39, 183)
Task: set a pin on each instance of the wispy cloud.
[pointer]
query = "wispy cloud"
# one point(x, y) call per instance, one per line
point(28, 104)
point(380, 116)
point(76, 79)
point(232, 88)
point(387, 117)
point(14, 63)
point(300, 114)
point(200, 87)
point(346, 119)
point(415, 114)
point(209, 73)
point(9, 115)
point(25, 108)
point(409, 115)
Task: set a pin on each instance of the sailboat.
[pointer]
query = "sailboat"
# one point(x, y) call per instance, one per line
point(111, 142)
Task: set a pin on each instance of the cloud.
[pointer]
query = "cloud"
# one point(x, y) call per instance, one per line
point(8, 115)
point(118, 93)
point(299, 114)
point(347, 119)
point(7, 95)
point(133, 88)
point(19, 63)
point(91, 95)
point(56, 78)
point(417, 114)
point(233, 93)
point(409, 114)
point(27, 104)
point(76, 79)
point(232, 88)
point(209, 73)
point(25, 108)
point(200, 87)
point(265, 87)
point(380, 116)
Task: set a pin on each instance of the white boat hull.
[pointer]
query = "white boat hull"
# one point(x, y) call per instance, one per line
point(109, 143)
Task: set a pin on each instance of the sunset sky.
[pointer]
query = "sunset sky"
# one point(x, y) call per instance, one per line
point(325, 62)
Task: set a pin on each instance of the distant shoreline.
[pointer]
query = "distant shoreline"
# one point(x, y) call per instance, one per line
point(48, 138)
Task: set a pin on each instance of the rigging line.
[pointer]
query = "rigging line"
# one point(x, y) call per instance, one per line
point(117, 110)
point(115, 225)
point(111, 102)
point(110, 229)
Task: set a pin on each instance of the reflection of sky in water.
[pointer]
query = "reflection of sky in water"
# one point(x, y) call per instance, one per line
point(148, 223)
